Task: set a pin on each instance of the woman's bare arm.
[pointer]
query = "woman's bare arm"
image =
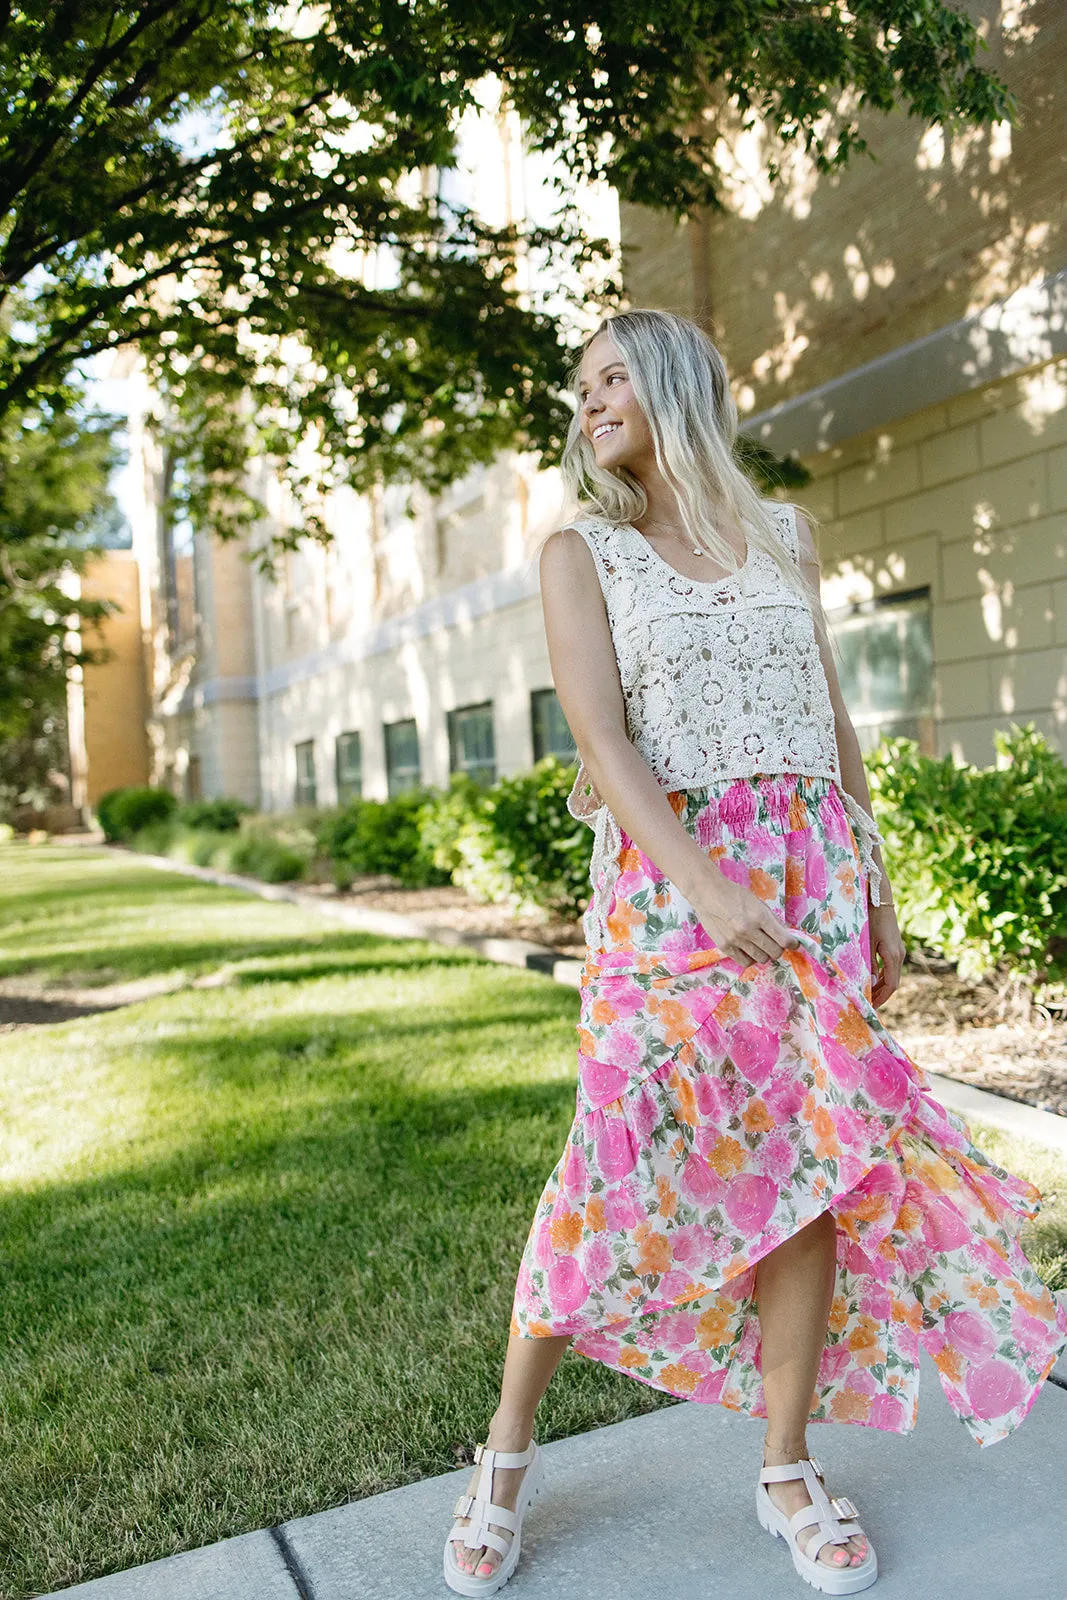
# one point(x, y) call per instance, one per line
point(586, 676)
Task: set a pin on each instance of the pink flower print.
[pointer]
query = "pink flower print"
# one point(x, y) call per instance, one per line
point(627, 882)
point(762, 844)
point(598, 1345)
point(885, 1079)
point(736, 871)
point(523, 1284)
point(784, 1097)
point(994, 1388)
point(707, 828)
point(567, 1288)
point(544, 1253)
point(690, 1244)
point(737, 807)
point(1033, 1337)
point(983, 1252)
point(711, 1098)
point(616, 1149)
point(850, 960)
point(710, 1388)
point(833, 818)
point(713, 1042)
point(598, 1262)
point(700, 1183)
point(875, 1301)
point(754, 1051)
point(673, 1283)
point(777, 1158)
point(576, 1171)
point(833, 1363)
point(943, 1227)
point(625, 997)
point(680, 941)
point(644, 1114)
point(749, 1202)
point(773, 1005)
point(602, 1081)
point(621, 1211)
point(677, 1331)
point(841, 1062)
point(851, 1127)
point(970, 1334)
point(849, 1169)
point(887, 1411)
point(816, 875)
point(623, 1047)
point(861, 1382)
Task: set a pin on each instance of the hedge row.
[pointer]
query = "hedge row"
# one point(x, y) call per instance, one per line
point(977, 856)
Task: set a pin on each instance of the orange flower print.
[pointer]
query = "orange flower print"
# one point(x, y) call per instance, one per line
point(794, 878)
point(838, 1317)
point(668, 1197)
point(539, 1330)
point(603, 1013)
point(679, 1380)
point(849, 1406)
point(630, 1357)
point(727, 1156)
point(800, 964)
point(566, 1231)
point(948, 1364)
point(594, 1214)
point(798, 814)
point(728, 1011)
point(678, 801)
point(655, 1253)
point(756, 1118)
point(713, 1329)
point(852, 1031)
point(762, 884)
point(827, 1147)
point(675, 1019)
point(623, 920)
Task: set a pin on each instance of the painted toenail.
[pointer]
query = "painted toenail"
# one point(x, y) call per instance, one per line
point(485, 1570)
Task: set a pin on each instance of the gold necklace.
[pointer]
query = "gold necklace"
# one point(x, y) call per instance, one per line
point(697, 551)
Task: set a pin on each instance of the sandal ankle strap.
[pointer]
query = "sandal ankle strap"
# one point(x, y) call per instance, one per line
point(789, 1470)
point(484, 1456)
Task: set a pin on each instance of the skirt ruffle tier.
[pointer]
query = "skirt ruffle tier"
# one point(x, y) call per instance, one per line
point(721, 1108)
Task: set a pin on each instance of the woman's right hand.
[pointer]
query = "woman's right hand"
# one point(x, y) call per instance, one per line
point(738, 922)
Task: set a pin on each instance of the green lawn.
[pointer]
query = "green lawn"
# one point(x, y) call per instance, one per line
point(259, 1241)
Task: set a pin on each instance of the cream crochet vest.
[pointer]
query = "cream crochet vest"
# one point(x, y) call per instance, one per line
point(719, 680)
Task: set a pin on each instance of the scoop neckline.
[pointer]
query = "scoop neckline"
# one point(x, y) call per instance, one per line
point(700, 583)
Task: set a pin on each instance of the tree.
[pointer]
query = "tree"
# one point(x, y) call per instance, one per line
point(193, 178)
point(54, 496)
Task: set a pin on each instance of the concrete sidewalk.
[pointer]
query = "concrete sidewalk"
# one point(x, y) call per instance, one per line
point(661, 1508)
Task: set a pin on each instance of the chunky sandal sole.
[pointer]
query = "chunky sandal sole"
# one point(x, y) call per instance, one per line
point(466, 1583)
point(828, 1580)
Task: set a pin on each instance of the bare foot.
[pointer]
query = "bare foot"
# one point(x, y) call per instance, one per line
point(483, 1560)
point(791, 1495)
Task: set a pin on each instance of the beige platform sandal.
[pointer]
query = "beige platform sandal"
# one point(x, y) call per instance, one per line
point(480, 1509)
point(827, 1513)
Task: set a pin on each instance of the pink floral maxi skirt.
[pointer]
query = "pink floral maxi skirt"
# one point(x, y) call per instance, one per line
point(720, 1108)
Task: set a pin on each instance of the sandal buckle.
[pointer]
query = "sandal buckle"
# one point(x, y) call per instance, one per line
point(844, 1507)
point(463, 1505)
point(815, 1467)
point(478, 1454)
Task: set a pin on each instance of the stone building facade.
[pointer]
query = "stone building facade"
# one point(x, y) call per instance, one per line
point(899, 328)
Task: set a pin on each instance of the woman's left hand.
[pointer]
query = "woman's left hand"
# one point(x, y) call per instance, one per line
point(888, 946)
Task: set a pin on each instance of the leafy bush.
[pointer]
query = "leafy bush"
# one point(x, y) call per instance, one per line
point(369, 836)
point(216, 816)
point(978, 856)
point(523, 846)
point(260, 855)
point(123, 812)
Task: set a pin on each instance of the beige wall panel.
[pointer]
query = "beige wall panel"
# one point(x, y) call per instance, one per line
point(963, 689)
point(115, 693)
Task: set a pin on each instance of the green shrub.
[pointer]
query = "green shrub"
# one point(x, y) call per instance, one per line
point(445, 815)
point(155, 838)
point(370, 836)
point(215, 816)
point(259, 855)
point(523, 846)
point(978, 856)
point(124, 812)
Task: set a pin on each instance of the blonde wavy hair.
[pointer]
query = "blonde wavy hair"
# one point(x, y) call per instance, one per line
point(683, 389)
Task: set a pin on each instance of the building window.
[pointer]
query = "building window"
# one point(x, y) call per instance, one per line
point(305, 773)
point(402, 755)
point(194, 788)
point(887, 667)
point(471, 746)
point(348, 764)
point(551, 733)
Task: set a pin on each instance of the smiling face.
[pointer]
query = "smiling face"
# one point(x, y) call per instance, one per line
point(611, 418)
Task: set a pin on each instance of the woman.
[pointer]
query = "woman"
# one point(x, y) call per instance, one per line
point(759, 1203)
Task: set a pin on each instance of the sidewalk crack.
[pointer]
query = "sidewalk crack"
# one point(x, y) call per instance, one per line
point(293, 1566)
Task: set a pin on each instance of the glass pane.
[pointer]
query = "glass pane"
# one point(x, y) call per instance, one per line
point(349, 767)
point(551, 733)
point(305, 773)
point(472, 747)
point(886, 668)
point(402, 755)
